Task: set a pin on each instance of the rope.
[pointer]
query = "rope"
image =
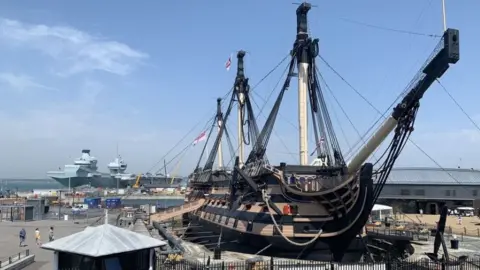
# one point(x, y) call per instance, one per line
point(266, 199)
point(177, 167)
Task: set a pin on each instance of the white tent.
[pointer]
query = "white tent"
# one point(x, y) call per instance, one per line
point(380, 211)
point(379, 207)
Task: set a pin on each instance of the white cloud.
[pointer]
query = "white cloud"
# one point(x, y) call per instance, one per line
point(21, 82)
point(43, 134)
point(53, 134)
point(77, 51)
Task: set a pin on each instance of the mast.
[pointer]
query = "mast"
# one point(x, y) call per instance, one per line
point(302, 60)
point(444, 16)
point(240, 91)
point(219, 124)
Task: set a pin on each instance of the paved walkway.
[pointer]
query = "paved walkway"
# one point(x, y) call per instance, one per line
point(9, 242)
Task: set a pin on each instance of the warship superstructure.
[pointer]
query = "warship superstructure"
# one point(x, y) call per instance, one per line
point(84, 172)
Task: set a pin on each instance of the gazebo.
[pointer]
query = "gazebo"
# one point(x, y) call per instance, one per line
point(104, 247)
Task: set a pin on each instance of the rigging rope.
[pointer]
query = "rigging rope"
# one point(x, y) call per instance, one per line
point(266, 199)
point(384, 117)
point(390, 29)
point(253, 128)
point(184, 137)
point(177, 166)
point(458, 105)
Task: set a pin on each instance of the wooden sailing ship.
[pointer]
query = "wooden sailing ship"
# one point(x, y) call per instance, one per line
point(309, 210)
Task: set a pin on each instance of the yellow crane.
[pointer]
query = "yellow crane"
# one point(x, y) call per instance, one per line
point(137, 181)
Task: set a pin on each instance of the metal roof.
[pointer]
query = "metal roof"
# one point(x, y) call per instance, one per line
point(103, 240)
point(433, 176)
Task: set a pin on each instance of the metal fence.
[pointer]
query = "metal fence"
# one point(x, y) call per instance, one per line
point(455, 264)
point(14, 258)
point(64, 213)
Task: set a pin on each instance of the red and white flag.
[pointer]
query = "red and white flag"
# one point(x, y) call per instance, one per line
point(228, 63)
point(201, 137)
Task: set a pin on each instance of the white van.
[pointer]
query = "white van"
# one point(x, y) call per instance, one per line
point(466, 211)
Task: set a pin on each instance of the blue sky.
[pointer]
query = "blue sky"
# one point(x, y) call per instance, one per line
point(92, 74)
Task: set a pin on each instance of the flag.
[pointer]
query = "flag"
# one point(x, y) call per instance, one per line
point(201, 137)
point(228, 63)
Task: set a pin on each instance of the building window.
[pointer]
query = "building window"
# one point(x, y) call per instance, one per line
point(475, 193)
point(420, 192)
point(405, 192)
point(447, 192)
point(454, 193)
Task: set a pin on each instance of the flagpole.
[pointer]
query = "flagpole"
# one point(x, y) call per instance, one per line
point(444, 15)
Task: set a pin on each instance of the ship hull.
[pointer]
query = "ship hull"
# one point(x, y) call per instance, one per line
point(234, 241)
point(111, 182)
point(73, 182)
point(160, 182)
point(335, 219)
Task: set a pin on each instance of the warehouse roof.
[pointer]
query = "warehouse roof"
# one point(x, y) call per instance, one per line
point(433, 176)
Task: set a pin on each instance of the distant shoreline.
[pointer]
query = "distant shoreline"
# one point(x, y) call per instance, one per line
point(28, 184)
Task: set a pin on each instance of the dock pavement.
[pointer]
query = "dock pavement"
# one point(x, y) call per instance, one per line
point(10, 242)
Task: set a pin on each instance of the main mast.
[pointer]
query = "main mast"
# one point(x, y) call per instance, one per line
point(219, 117)
point(302, 60)
point(240, 92)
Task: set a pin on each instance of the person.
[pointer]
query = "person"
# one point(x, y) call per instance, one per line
point(51, 237)
point(22, 235)
point(37, 237)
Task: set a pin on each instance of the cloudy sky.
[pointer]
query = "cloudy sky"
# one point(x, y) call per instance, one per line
point(141, 75)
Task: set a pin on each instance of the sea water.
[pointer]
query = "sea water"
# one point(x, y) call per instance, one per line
point(28, 184)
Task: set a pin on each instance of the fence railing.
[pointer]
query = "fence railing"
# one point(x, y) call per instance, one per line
point(473, 263)
point(14, 258)
point(414, 235)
